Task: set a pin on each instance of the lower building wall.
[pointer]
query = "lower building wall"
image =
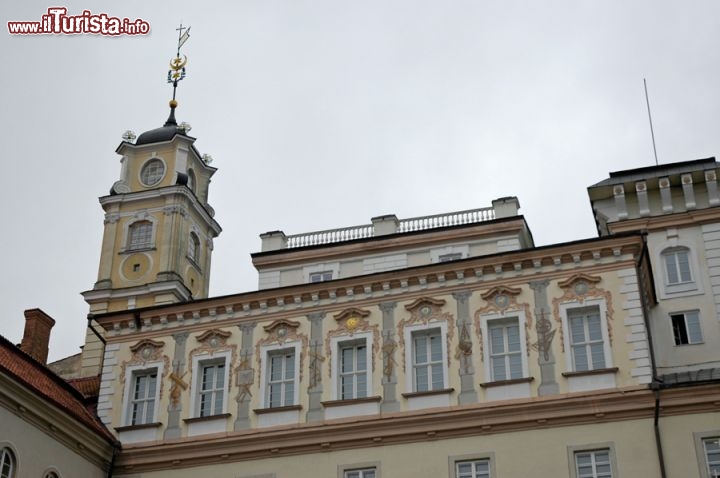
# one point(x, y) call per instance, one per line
point(545, 452)
point(38, 453)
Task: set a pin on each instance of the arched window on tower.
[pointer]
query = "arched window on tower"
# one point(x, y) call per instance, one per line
point(140, 235)
point(194, 248)
point(7, 463)
point(191, 180)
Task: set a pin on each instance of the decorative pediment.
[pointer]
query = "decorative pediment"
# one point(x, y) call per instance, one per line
point(147, 350)
point(352, 318)
point(581, 280)
point(281, 329)
point(500, 290)
point(214, 338)
point(501, 298)
point(424, 308)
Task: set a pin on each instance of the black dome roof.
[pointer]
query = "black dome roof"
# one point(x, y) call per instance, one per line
point(164, 133)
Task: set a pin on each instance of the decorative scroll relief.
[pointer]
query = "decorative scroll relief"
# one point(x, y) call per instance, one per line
point(211, 342)
point(426, 310)
point(579, 288)
point(503, 301)
point(147, 352)
point(279, 332)
point(245, 377)
point(350, 322)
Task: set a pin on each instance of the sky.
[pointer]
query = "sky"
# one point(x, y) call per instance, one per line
point(325, 113)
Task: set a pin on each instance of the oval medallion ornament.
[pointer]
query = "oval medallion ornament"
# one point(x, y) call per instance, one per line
point(581, 288)
point(501, 300)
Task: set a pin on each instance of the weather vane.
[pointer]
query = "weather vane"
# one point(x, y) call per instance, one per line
point(176, 72)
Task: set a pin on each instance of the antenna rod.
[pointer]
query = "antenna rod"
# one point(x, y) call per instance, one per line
point(652, 132)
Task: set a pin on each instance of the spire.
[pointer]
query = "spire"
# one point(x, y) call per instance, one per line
point(176, 73)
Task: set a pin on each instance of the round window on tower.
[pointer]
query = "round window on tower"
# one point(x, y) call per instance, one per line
point(152, 172)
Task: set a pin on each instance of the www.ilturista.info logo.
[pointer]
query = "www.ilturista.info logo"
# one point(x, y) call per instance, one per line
point(58, 22)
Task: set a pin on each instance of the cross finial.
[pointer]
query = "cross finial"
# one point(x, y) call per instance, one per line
point(177, 68)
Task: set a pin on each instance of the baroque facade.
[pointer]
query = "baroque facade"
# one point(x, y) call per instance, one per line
point(445, 345)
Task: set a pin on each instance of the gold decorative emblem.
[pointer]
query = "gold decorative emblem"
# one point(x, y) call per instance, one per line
point(352, 323)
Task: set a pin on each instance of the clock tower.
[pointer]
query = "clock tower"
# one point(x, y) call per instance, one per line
point(158, 227)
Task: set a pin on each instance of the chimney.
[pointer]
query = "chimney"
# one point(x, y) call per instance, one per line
point(37, 334)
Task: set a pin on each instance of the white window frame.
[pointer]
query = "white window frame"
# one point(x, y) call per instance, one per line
point(323, 276)
point(700, 438)
point(454, 461)
point(608, 447)
point(683, 288)
point(344, 471)
point(567, 307)
point(8, 455)
point(409, 332)
point(268, 350)
point(437, 254)
point(198, 362)
point(693, 315)
point(131, 372)
point(336, 343)
point(486, 323)
point(333, 267)
point(361, 473)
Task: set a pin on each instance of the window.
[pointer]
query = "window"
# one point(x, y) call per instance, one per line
point(472, 469)
point(7, 463)
point(211, 392)
point(152, 172)
point(450, 257)
point(321, 276)
point(593, 464)
point(505, 350)
point(353, 370)
point(711, 450)
point(363, 473)
point(140, 235)
point(280, 379)
point(143, 398)
point(586, 339)
point(191, 180)
point(194, 247)
point(677, 265)
point(428, 367)
point(686, 328)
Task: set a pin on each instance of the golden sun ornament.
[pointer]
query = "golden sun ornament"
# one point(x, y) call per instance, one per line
point(352, 323)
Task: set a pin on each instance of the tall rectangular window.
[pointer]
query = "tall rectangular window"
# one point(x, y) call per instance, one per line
point(140, 235)
point(428, 360)
point(586, 339)
point(677, 265)
point(143, 397)
point(711, 449)
point(686, 328)
point(593, 464)
point(353, 371)
point(472, 469)
point(505, 350)
point(212, 389)
point(281, 379)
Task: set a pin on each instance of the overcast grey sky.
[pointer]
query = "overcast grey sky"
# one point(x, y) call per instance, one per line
point(325, 113)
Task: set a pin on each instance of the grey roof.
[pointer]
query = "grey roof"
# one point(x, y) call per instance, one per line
point(638, 174)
